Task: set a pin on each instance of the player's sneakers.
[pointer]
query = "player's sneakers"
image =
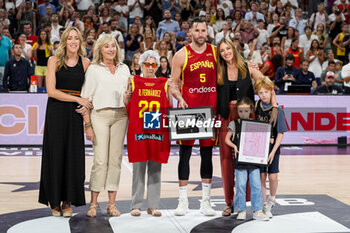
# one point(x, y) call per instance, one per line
point(206, 208)
point(182, 207)
point(267, 211)
point(267, 207)
point(242, 215)
point(259, 215)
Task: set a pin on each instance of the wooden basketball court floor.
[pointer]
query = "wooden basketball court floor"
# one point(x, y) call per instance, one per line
point(303, 171)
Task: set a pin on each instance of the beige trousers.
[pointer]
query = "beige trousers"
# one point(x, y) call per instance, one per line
point(109, 126)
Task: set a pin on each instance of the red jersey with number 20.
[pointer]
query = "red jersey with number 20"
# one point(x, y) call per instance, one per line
point(147, 139)
point(199, 78)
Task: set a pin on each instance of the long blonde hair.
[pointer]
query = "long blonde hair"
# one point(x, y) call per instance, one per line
point(237, 59)
point(97, 49)
point(61, 51)
point(166, 48)
point(186, 5)
point(133, 64)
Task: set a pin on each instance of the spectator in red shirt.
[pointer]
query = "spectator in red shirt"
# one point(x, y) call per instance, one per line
point(344, 8)
point(27, 30)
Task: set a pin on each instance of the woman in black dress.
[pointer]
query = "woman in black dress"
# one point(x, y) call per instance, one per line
point(63, 159)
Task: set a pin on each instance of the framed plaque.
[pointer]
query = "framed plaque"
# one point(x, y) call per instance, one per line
point(254, 142)
point(191, 123)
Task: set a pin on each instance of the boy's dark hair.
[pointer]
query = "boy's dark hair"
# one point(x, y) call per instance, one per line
point(111, 21)
point(180, 38)
point(331, 63)
point(16, 43)
point(229, 17)
point(197, 20)
point(307, 27)
point(295, 39)
point(247, 101)
point(290, 57)
point(251, 40)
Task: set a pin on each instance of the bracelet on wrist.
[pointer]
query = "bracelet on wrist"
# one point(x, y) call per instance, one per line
point(87, 125)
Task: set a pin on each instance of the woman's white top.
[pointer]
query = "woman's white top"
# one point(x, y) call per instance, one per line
point(106, 89)
point(315, 67)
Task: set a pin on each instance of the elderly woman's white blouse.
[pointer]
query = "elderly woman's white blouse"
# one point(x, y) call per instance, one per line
point(106, 89)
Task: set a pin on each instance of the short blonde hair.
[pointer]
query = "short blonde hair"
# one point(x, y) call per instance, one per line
point(97, 49)
point(264, 82)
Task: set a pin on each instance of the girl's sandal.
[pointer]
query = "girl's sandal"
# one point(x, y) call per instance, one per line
point(92, 212)
point(135, 212)
point(227, 211)
point(154, 212)
point(112, 210)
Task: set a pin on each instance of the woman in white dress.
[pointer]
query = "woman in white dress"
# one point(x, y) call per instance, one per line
point(315, 56)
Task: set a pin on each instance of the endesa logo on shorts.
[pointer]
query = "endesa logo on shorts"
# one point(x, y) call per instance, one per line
point(202, 90)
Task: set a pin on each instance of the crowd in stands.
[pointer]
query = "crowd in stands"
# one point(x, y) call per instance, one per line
point(294, 42)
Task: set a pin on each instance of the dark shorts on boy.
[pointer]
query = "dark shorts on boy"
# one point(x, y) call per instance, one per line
point(273, 167)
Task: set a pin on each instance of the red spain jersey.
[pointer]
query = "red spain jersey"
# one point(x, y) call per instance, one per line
point(147, 110)
point(199, 78)
point(296, 55)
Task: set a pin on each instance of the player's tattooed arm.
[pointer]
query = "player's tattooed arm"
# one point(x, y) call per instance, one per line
point(178, 62)
point(175, 91)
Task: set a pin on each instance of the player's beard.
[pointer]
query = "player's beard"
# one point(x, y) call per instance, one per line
point(199, 44)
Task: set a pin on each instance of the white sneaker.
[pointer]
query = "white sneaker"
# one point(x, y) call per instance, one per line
point(267, 211)
point(206, 208)
point(242, 215)
point(182, 207)
point(259, 215)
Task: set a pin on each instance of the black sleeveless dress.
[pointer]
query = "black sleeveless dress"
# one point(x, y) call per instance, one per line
point(63, 159)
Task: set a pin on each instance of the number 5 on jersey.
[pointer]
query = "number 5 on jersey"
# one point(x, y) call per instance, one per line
point(202, 78)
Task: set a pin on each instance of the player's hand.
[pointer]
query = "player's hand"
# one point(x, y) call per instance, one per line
point(273, 118)
point(235, 151)
point(270, 158)
point(183, 104)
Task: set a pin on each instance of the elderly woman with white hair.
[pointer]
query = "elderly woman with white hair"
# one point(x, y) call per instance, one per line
point(106, 81)
point(147, 101)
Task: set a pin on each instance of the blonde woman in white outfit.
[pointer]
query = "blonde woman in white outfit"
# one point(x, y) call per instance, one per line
point(105, 82)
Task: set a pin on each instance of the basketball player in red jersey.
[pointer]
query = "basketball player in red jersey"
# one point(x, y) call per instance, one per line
point(195, 65)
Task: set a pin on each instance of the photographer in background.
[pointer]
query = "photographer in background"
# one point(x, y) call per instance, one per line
point(287, 75)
